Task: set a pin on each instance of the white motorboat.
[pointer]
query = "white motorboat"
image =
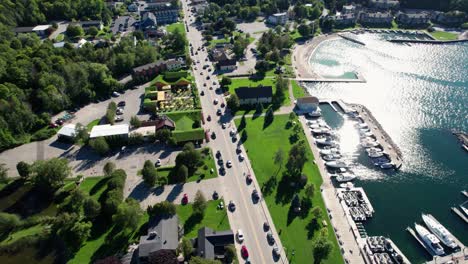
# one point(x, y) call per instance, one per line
point(429, 239)
point(365, 134)
point(325, 141)
point(347, 185)
point(330, 157)
point(316, 113)
point(439, 231)
point(329, 151)
point(375, 153)
point(321, 130)
point(314, 126)
point(345, 177)
point(388, 165)
point(312, 122)
point(364, 130)
point(336, 164)
point(370, 144)
point(373, 149)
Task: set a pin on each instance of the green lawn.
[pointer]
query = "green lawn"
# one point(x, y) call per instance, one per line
point(184, 119)
point(246, 82)
point(296, 233)
point(60, 37)
point(201, 173)
point(92, 124)
point(214, 219)
point(94, 186)
point(172, 27)
point(442, 35)
point(298, 91)
point(33, 230)
point(227, 39)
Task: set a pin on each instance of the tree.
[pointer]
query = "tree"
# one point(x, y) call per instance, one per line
point(48, 175)
point(74, 31)
point(99, 145)
point(81, 133)
point(3, 173)
point(109, 168)
point(162, 208)
point(230, 253)
point(226, 81)
point(76, 200)
point(191, 158)
point(128, 215)
point(243, 123)
point(269, 116)
point(279, 157)
point(259, 108)
point(8, 222)
point(262, 66)
point(304, 30)
point(297, 158)
point(316, 212)
point(199, 203)
point(321, 249)
point(111, 203)
point(109, 260)
point(135, 122)
point(24, 169)
point(186, 248)
point(233, 103)
point(163, 256)
point(292, 116)
point(149, 173)
point(110, 113)
point(93, 31)
point(68, 228)
point(91, 208)
point(163, 135)
point(181, 174)
point(200, 260)
point(310, 190)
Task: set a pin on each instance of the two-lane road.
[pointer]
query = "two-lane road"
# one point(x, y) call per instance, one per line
point(249, 215)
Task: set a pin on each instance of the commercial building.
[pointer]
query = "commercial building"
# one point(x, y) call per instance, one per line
point(227, 65)
point(278, 18)
point(110, 131)
point(254, 95)
point(67, 132)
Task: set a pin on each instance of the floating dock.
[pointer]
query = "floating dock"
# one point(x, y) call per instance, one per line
point(413, 233)
point(351, 39)
point(464, 193)
point(329, 80)
point(432, 41)
point(398, 251)
point(460, 214)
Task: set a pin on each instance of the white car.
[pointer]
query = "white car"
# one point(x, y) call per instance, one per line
point(158, 162)
point(115, 94)
point(240, 236)
point(241, 157)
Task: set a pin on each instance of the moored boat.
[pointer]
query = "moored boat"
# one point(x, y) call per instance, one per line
point(330, 157)
point(345, 177)
point(439, 231)
point(429, 239)
point(336, 164)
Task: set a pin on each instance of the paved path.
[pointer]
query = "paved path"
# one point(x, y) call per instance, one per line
point(62, 27)
point(338, 216)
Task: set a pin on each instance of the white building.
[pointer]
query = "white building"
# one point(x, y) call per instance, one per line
point(175, 64)
point(278, 18)
point(109, 131)
point(67, 132)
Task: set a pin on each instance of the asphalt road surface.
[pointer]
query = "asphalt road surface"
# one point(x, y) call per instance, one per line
point(249, 215)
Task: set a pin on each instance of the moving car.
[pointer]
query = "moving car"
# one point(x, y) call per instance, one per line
point(270, 238)
point(276, 251)
point(255, 195)
point(219, 112)
point(215, 101)
point(223, 125)
point(208, 118)
point(185, 199)
point(244, 252)
point(229, 164)
point(232, 206)
point(241, 157)
point(240, 236)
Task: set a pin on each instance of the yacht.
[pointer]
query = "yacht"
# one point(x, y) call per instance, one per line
point(375, 153)
point(365, 134)
point(369, 144)
point(439, 231)
point(321, 130)
point(314, 126)
point(316, 113)
point(329, 151)
point(336, 164)
point(325, 141)
point(429, 239)
point(388, 165)
point(345, 177)
point(330, 157)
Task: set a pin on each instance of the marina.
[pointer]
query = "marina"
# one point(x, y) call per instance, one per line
point(459, 213)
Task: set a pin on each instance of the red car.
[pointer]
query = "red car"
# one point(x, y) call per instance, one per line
point(244, 252)
point(185, 199)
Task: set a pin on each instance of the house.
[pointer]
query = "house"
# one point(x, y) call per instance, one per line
point(149, 70)
point(40, 30)
point(110, 131)
point(164, 122)
point(220, 53)
point(450, 18)
point(278, 19)
point(413, 19)
point(349, 9)
point(175, 64)
point(307, 104)
point(148, 21)
point(67, 132)
point(92, 23)
point(132, 7)
point(211, 244)
point(198, 2)
point(378, 18)
point(227, 65)
point(384, 4)
point(163, 234)
point(165, 13)
point(254, 95)
point(345, 19)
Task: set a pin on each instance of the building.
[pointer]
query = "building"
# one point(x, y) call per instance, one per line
point(40, 30)
point(349, 9)
point(164, 122)
point(413, 19)
point(132, 7)
point(175, 64)
point(378, 18)
point(227, 65)
point(148, 22)
point(149, 70)
point(163, 234)
point(211, 244)
point(92, 23)
point(384, 4)
point(165, 13)
point(109, 131)
point(220, 53)
point(254, 95)
point(345, 19)
point(307, 104)
point(278, 18)
point(452, 18)
point(67, 132)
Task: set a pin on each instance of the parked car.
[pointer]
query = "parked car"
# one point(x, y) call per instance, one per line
point(232, 206)
point(215, 195)
point(121, 104)
point(202, 93)
point(255, 195)
point(241, 157)
point(266, 226)
point(240, 236)
point(215, 101)
point(244, 252)
point(218, 154)
point(222, 105)
point(119, 111)
point(229, 164)
point(185, 199)
point(270, 238)
point(115, 94)
point(276, 251)
point(208, 118)
point(219, 112)
point(158, 163)
point(118, 118)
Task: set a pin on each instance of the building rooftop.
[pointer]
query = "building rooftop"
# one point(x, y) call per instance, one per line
point(308, 100)
point(41, 27)
point(231, 62)
point(109, 130)
point(254, 92)
point(148, 66)
point(210, 243)
point(68, 130)
point(163, 233)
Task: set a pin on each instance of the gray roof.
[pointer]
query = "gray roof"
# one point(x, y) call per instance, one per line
point(167, 235)
point(210, 243)
point(149, 66)
point(254, 92)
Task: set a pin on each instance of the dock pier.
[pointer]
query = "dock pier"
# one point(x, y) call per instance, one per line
point(460, 214)
point(464, 193)
point(392, 150)
point(351, 39)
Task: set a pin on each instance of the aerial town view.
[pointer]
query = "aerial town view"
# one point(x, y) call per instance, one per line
point(243, 131)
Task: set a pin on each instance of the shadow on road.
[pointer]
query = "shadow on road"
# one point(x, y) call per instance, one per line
point(176, 190)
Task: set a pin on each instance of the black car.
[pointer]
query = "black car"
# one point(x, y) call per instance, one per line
point(213, 135)
point(215, 195)
point(266, 226)
point(208, 77)
point(218, 154)
point(219, 112)
point(202, 93)
point(121, 103)
point(270, 238)
point(255, 195)
point(232, 206)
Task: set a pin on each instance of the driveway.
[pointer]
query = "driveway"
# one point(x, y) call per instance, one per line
point(83, 160)
point(62, 27)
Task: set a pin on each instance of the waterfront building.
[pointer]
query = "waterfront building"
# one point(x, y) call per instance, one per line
point(413, 18)
point(254, 95)
point(452, 18)
point(385, 4)
point(345, 19)
point(307, 104)
point(278, 18)
point(376, 18)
